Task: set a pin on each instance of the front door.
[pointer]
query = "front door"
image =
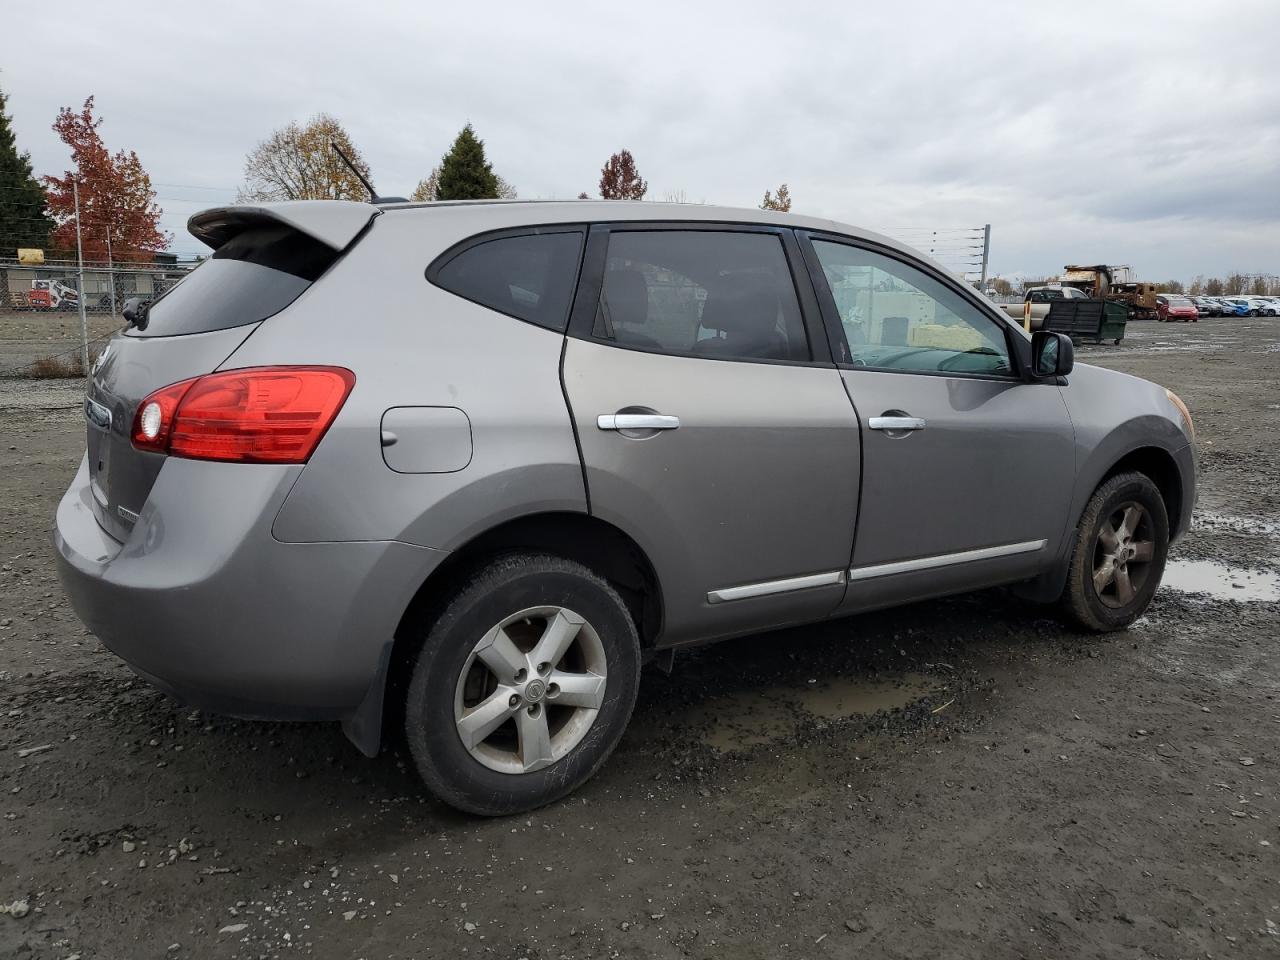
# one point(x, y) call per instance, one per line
point(967, 469)
point(710, 430)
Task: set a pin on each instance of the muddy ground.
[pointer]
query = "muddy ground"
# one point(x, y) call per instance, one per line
point(964, 778)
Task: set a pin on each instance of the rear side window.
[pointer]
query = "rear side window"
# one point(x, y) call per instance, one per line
point(702, 293)
point(252, 276)
point(529, 277)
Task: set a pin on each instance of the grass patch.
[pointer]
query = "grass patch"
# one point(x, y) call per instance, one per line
point(54, 368)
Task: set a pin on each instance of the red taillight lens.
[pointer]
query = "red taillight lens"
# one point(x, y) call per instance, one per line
point(254, 415)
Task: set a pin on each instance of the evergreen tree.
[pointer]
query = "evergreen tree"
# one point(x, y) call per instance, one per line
point(23, 220)
point(465, 174)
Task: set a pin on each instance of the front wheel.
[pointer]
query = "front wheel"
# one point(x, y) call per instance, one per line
point(1119, 554)
point(523, 686)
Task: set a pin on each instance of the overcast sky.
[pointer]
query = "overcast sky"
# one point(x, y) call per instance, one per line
point(1120, 132)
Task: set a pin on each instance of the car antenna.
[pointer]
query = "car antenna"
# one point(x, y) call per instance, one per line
point(373, 194)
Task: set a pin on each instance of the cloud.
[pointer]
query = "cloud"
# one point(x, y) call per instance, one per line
point(1139, 132)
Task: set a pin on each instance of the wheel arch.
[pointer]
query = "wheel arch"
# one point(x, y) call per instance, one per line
point(593, 542)
point(1159, 466)
point(1154, 462)
point(581, 537)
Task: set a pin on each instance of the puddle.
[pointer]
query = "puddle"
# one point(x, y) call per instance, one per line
point(1220, 581)
point(751, 718)
point(1203, 520)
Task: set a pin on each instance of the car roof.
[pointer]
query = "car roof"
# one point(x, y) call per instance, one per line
point(502, 214)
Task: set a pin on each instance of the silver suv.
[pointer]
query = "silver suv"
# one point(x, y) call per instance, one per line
point(466, 467)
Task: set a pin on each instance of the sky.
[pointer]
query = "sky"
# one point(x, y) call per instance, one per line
point(1145, 133)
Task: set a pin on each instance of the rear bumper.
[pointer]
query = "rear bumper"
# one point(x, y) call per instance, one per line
point(201, 601)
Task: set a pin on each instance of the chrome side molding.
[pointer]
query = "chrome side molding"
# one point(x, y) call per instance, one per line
point(770, 587)
point(944, 560)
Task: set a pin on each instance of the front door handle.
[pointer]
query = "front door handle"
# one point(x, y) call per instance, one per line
point(895, 423)
point(636, 421)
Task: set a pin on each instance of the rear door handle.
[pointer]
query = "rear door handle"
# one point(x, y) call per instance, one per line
point(895, 423)
point(636, 421)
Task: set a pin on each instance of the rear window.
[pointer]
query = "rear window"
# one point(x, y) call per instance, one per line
point(252, 276)
point(529, 277)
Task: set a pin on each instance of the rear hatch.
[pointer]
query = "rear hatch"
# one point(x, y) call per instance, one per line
point(264, 259)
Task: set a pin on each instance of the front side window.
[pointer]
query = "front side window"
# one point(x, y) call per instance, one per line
point(701, 293)
point(896, 317)
point(530, 277)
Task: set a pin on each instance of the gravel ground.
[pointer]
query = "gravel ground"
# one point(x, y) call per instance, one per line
point(964, 778)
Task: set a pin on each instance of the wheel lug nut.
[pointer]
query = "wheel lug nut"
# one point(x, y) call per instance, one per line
point(521, 674)
point(544, 667)
point(514, 700)
point(553, 690)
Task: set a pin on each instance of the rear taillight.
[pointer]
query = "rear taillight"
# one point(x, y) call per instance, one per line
point(254, 415)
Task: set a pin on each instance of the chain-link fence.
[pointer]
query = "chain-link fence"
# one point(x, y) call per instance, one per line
point(55, 284)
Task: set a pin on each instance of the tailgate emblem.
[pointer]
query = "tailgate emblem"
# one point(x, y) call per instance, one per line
point(97, 414)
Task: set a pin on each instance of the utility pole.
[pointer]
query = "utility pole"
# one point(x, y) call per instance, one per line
point(986, 252)
point(111, 276)
point(84, 320)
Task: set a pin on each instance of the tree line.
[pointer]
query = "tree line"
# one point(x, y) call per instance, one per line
point(1235, 284)
point(120, 214)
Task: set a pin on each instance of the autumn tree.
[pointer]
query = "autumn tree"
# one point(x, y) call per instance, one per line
point(1234, 285)
point(1171, 286)
point(780, 201)
point(23, 220)
point(428, 189)
point(298, 163)
point(465, 172)
point(1002, 286)
point(117, 204)
point(1213, 287)
point(1258, 287)
point(1197, 286)
point(620, 180)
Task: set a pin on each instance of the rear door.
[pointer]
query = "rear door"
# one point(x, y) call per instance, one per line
point(713, 427)
point(967, 469)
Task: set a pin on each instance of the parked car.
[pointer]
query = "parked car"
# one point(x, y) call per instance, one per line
point(1206, 306)
point(1036, 303)
point(1169, 307)
point(469, 466)
point(1236, 307)
point(1264, 306)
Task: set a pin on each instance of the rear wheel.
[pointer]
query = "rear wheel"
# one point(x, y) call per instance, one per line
point(1119, 554)
point(523, 686)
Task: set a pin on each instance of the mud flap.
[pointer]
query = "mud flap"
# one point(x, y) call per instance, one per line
point(363, 726)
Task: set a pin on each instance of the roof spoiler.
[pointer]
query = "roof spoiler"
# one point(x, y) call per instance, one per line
point(334, 223)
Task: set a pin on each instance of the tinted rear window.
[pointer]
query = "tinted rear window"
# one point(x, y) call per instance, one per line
point(530, 277)
point(255, 274)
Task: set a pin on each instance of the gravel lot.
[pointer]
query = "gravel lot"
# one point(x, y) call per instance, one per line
point(964, 778)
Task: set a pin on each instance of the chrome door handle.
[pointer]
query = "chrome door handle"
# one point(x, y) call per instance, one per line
point(636, 421)
point(895, 423)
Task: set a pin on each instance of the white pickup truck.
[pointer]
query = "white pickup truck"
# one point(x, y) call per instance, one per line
point(1035, 304)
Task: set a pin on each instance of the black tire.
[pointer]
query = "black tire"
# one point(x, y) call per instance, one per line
point(507, 586)
point(1108, 610)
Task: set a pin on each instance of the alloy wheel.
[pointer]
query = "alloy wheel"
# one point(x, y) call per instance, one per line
point(1122, 555)
point(530, 689)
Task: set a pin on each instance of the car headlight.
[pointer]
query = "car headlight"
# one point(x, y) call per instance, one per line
point(1182, 412)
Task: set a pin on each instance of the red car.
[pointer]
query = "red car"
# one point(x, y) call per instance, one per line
point(1176, 308)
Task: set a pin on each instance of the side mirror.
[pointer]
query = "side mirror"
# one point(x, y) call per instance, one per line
point(1052, 354)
